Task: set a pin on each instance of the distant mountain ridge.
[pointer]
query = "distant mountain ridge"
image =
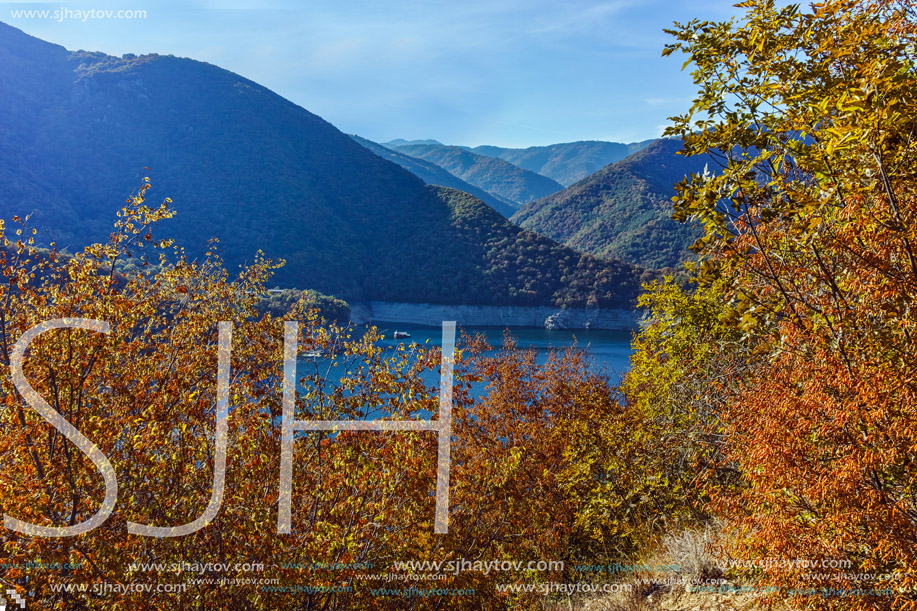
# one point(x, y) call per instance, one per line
point(402, 142)
point(566, 162)
point(245, 165)
point(432, 174)
point(496, 176)
point(624, 210)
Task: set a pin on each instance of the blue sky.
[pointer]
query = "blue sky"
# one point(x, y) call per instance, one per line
point(502, 72)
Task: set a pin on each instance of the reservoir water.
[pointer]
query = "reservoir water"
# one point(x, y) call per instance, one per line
point(609, 351)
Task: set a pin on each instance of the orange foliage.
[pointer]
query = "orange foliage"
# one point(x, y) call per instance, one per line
point(145, 394)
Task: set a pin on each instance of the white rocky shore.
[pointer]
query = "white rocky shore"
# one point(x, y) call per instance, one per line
point(495, 316)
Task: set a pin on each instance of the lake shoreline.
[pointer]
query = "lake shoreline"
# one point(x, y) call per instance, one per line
point(538, 317)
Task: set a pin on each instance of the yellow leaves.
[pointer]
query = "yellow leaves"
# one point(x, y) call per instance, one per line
point(855, 101)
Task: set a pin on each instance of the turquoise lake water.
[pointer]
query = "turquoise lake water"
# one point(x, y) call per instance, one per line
point(609, 351)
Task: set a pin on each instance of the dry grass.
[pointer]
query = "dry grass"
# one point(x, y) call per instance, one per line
point(692, 550)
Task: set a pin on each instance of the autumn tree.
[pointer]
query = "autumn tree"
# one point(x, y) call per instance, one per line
point(809, 246)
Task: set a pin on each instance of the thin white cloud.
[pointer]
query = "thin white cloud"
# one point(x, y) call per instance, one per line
point(574, 20)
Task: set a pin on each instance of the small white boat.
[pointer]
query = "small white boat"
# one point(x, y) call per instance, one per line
point(402, 335)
